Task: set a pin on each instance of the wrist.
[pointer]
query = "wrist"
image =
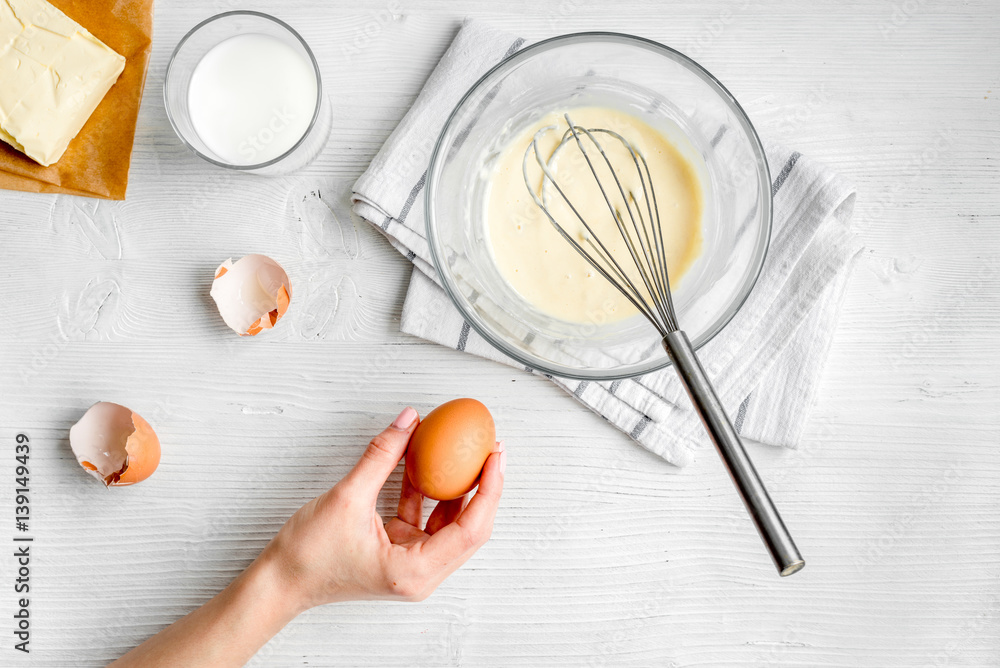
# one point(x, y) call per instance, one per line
point(269, 587)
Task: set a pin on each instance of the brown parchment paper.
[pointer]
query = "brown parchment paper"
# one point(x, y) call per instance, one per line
point(97, 161)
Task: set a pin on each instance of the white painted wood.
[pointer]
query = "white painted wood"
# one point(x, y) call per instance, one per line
point(602, 554)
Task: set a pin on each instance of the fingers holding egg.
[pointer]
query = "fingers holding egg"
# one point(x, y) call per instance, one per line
point(411, 504)
point(445, 513)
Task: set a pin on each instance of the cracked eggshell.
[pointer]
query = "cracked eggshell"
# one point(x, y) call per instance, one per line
point(252, 294)
point(115, 445)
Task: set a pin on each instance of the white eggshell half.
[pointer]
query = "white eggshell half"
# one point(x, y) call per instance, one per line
point(100, 437)
point(247, 293)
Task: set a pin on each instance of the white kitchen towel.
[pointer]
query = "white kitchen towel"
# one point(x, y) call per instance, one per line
point(765, 364)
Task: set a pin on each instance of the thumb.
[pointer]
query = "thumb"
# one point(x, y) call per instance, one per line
point(382, 455)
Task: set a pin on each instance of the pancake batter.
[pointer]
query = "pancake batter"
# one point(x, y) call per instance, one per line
point(531, 254)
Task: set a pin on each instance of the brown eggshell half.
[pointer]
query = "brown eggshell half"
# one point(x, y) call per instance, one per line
point(449, 447)
point(115, 445)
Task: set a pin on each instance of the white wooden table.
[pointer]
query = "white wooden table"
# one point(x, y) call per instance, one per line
point(602, 554)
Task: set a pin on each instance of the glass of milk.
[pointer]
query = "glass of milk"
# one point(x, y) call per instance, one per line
point(243, 91)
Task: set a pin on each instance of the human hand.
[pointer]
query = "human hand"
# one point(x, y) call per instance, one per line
point(336, 547)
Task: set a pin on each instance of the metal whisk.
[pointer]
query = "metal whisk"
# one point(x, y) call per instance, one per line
point(643, 278)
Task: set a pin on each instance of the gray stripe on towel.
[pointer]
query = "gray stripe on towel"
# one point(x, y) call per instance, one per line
point(641, 427)
point(783, 174)
point(746, 221)
point(741, 414)
point(718, 136)
point(413, 197)
point(514, 47)
point(463, 338)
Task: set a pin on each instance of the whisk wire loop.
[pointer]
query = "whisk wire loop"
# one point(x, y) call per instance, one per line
point(642, 235)
point(620, 279)
point(626, 236)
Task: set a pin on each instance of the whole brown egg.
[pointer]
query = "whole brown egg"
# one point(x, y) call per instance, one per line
point(449, 448)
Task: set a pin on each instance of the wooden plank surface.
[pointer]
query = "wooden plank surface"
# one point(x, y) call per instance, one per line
point(602, 554)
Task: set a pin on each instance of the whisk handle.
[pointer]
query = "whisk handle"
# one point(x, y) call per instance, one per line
point(758, 503)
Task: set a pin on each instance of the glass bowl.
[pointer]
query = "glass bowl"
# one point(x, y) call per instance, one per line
point(185, 59)
point(662, 87)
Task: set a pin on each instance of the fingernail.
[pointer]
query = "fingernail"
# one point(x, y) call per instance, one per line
point(503, 461)
point(500, 445)
point(405, 419)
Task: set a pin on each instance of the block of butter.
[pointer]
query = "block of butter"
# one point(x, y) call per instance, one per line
point(53, 74)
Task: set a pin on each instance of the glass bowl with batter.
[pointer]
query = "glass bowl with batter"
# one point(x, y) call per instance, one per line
point(520, 285)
